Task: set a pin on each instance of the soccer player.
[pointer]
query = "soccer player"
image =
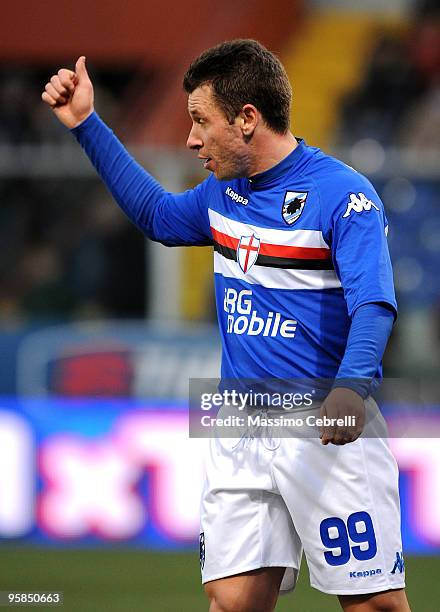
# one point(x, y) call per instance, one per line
point(304, 290)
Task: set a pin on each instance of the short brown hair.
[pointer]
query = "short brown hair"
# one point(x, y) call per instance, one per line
point(241, 72)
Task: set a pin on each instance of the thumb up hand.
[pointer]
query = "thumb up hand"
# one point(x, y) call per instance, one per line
point(70, 94)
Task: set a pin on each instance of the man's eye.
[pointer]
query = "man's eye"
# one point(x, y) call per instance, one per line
point(199, 120)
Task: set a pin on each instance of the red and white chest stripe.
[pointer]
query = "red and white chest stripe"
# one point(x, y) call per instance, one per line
point(273, 258)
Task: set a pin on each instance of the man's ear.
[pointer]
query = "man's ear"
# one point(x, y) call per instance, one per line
point(250, 117)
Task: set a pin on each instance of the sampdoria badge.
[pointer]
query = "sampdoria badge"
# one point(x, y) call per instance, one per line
point(293, 206)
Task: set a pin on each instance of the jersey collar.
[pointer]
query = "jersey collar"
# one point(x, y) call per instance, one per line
point(290, 164)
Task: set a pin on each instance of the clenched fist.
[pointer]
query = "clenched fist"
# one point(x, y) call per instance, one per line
point(70, 94)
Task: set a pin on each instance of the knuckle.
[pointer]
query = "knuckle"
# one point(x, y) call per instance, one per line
point(64, 78)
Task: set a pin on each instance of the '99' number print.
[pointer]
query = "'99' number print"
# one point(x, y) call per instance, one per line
point(358, 530)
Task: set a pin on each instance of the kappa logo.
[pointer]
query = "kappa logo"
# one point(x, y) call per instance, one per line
point(365, 573)
point(293, 206)
point(358, 203)
point(399, 563)
point(247, 252)
point(236, 197)
point(202, 549)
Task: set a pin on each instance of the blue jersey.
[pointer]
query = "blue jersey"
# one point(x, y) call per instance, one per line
point(297, 249)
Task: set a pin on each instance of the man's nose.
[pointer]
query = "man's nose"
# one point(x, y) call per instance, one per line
point(193, 141)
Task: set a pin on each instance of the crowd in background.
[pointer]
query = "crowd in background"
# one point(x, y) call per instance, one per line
point(66, 254)
point(398, 100)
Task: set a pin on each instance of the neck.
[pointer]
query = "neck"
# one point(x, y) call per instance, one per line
point(270, 149)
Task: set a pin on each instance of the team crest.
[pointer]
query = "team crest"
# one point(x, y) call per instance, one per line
point(247, 252)
point(293, 205)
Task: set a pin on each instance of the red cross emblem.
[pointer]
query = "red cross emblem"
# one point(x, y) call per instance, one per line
point(247, 251)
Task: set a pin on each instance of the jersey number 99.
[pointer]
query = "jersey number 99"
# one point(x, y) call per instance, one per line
point(359, 530)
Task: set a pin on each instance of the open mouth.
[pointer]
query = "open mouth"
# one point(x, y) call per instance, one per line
point(205, 161)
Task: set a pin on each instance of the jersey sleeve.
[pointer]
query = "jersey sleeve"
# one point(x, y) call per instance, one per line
point(355, 227)
point(173, 219)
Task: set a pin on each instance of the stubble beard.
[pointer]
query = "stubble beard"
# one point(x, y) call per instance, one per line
point(230, 171)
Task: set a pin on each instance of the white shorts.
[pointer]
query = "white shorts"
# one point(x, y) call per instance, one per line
point(266, 499)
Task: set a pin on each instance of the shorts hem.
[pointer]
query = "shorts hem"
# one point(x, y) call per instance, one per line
point(248, 568)
point(363, 591)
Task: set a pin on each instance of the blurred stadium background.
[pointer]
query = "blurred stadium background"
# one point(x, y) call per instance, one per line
point(99, 331)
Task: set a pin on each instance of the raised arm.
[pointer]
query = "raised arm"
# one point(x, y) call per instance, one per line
point(173, 219)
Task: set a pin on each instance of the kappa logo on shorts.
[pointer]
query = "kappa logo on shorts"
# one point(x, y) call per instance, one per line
point(399, 563)
point(202, 549)
point(365, 573)
point(293, 206)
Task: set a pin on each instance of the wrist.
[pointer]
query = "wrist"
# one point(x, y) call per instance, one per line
point(88, 118)
point(360, 386)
